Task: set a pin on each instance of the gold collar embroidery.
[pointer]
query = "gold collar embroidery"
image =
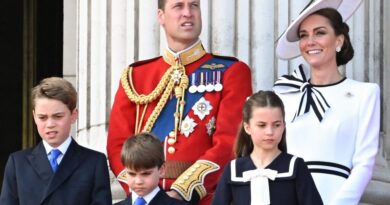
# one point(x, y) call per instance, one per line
point(187, 56)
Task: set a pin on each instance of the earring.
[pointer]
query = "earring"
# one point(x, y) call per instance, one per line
point(338, 49)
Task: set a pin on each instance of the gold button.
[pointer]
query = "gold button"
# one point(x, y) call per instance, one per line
point(171, 141)
point(197, 166)
point(172, 134)
point(171, 150)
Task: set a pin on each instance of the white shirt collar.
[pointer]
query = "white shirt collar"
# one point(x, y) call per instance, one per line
point(147, 197)
point(63, 147)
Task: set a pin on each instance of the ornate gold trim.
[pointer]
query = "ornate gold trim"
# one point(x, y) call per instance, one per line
point(122, 176)
point(193, 179)
point(127, 84)
point(174, 79)
point(190, 55)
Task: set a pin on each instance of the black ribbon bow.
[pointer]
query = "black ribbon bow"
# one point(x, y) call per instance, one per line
point(311, 97)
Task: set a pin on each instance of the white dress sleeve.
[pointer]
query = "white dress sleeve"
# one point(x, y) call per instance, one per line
point(366, 148)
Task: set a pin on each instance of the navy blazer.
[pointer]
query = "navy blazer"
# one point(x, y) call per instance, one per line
point(161, 198)
point(81, 178)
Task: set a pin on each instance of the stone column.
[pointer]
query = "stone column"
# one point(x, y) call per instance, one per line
point(379, 188)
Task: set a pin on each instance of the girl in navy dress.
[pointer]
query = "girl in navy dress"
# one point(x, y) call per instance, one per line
point(263, 173)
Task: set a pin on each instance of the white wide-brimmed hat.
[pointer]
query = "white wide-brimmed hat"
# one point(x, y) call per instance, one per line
point(287, 47)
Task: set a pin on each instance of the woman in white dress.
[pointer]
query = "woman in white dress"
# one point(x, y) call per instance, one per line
point(332, 121)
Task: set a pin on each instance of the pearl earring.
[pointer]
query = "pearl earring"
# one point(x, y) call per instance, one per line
point(338, 49)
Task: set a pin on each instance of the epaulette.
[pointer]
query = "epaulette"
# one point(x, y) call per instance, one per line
point(138, 63)
point(225, 57)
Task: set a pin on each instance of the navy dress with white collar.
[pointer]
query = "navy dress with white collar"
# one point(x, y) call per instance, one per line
point(293, 183)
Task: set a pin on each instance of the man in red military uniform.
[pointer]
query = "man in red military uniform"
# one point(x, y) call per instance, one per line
point(190, 99)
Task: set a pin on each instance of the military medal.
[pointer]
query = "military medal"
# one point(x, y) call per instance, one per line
point(201, 86)
point(187, 126)
point(210, 126)
point(202, 108)
point(193, 88)
point(218, 85)
point(209, 84)
point(176, 76)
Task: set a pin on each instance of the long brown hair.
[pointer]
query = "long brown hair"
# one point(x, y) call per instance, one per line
point(244, 145)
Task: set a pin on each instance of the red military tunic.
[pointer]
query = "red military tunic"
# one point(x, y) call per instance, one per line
point(199, 153)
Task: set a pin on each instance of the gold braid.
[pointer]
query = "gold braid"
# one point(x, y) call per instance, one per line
point(143, 99)
point(180, 92)
point(160, 105)
point(167, 84)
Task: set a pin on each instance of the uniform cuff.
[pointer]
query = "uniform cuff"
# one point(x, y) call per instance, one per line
point(192, 180)
point(122, 176)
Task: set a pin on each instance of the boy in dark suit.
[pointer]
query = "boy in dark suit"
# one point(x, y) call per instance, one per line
point(143, 157)
point(58, 170)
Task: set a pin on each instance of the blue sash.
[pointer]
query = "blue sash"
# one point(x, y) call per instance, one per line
point(165, 121)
